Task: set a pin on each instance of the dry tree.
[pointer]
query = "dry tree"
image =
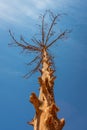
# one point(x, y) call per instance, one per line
point(45, 106)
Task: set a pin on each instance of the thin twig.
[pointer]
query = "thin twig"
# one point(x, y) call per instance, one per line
point(51, 26)
point(61, 36)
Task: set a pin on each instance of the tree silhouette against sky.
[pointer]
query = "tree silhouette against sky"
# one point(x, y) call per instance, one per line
point(46, 110)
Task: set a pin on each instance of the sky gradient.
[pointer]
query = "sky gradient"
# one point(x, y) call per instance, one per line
point(21, 16)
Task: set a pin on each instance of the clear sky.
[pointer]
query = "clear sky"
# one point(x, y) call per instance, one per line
point(21, 16)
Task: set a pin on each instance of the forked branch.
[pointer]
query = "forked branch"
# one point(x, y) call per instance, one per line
point(61, 36)
point(51, 27)
point(43, 43)
point(25, 47)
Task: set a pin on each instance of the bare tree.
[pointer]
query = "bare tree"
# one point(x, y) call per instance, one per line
point(45, 106)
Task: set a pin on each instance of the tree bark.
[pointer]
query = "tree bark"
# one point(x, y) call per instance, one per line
point(45, 106)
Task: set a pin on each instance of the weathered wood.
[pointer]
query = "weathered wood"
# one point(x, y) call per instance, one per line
point(46, 109)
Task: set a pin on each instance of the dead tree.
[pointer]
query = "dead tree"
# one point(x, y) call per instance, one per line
point(45, 106)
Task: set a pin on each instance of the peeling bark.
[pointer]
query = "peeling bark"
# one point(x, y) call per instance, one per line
point(46, 109)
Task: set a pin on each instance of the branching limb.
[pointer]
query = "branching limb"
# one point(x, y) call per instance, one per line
point(42, 44)
point(61, 36)
point(15, 41)
point(35, 59)
point(22, 39)
point(51, 26)
point(27, 47)
point(34, 40)
point(34, 70)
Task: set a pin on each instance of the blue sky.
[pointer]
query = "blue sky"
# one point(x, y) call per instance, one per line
point(21, 16)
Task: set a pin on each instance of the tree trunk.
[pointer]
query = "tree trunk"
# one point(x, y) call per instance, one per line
point(46, 109)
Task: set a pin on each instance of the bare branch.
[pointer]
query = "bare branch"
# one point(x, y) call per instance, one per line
point(51, 26)
point(22, 39)
point(47, 31)
point(34, 70)
point(43, 28)
point(34, 40)
point(61, 36)
point(27, 47)
point(35, 59)
point(15, 41)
